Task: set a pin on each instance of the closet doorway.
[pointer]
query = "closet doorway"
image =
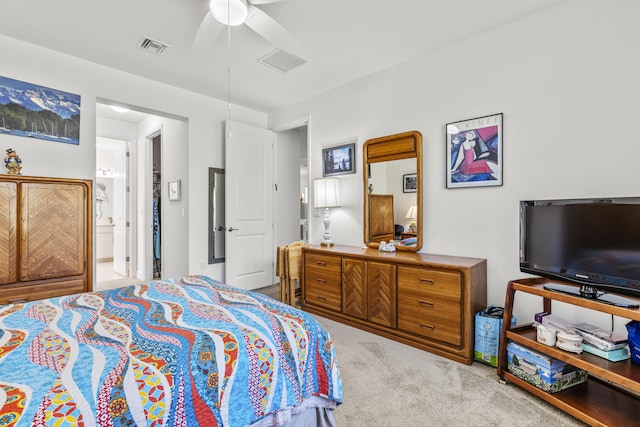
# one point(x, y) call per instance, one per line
point(111, 209)
point(292, 186)
point(156, 149)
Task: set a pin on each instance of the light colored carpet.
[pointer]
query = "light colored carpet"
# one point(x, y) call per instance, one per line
point(114, 284)
point(386, 383)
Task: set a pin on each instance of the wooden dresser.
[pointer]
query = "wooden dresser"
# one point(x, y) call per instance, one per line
point(426, 301)
point(45, 237)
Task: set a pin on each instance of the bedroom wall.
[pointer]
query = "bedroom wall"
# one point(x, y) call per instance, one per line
point(566, 81)
point(202, 148)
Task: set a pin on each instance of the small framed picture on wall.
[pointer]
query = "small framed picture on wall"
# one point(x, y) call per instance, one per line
point(339, 160)
point(409, 183)
point(174, 190)
point(474, 152)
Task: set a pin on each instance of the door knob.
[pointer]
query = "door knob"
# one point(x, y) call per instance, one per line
point(220, 228)
point(232, 229)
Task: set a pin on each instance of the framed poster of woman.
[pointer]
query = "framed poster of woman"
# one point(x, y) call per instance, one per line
point(474, 152)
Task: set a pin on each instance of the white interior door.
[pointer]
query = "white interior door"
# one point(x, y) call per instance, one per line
point(249, 251)
point(120, 200)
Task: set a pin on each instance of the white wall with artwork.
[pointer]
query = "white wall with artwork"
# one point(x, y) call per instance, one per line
point(567, 93)
point(201, 148)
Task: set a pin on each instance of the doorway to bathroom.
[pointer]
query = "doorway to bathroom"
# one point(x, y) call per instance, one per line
point(111, 209)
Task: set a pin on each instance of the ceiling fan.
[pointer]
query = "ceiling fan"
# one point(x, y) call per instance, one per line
point(237, 12)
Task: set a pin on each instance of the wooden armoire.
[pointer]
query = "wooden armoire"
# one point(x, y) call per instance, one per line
point(381, 225)
point(45, 237)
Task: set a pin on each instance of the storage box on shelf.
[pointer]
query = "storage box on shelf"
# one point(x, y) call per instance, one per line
point(610, 396)
point(614, 355)
point(544, 372)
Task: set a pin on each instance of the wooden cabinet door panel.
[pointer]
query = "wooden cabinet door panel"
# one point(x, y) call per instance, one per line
point(53, 231)
point(381, 224)
point(354, 288)
point(381, 278)
point(8, 230)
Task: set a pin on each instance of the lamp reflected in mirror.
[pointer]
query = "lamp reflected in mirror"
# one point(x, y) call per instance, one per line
point(412, 214)
point(326, 195)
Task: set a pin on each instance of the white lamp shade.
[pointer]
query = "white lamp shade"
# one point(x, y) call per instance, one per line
point(412, 213)
point(229, 12)
point(326, 192)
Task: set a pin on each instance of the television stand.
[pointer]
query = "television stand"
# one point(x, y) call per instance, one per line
point(611, 394)
point(589, 292)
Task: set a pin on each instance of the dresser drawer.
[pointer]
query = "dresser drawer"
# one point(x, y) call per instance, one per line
point(430, 304)
point(322, 281)
point(15, 294)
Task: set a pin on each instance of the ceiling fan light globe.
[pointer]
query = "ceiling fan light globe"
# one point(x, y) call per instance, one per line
point(233, 14)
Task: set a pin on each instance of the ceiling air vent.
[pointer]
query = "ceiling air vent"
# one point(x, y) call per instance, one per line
point(152, 46)
point(281, 60)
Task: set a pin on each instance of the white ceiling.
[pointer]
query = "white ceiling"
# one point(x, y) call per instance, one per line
point(342, 40)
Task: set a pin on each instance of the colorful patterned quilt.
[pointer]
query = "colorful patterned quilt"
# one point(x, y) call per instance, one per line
point(187, 352)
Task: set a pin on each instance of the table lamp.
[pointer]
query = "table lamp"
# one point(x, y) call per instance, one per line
point(412, 214)
point(326, 195)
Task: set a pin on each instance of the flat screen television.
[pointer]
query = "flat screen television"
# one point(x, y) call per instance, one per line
point(594, 243)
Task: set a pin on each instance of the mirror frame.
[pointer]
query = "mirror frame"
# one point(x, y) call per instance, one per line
point(400, 146)
point(216, 219)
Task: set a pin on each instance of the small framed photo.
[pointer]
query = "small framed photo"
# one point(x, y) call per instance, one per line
point(409, 183)
point(174, 190)
point(474, 152)
point(339, 160)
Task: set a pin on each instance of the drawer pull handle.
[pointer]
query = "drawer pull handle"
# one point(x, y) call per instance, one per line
point(426, 281)
point(425, 326)
point(426, 304)
point(321, 298)
point(321, 281)
point(18, 300)
point(321, 264)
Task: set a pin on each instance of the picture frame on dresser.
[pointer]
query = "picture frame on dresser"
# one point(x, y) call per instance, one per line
point(474, 152)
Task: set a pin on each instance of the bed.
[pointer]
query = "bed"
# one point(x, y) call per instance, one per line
point(183, 352)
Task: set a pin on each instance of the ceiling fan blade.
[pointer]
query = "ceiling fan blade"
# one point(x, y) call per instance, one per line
point(264, 1)
point(270, 30)
point(207, 33)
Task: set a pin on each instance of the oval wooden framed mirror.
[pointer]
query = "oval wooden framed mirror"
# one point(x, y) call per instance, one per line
point(392, 168)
